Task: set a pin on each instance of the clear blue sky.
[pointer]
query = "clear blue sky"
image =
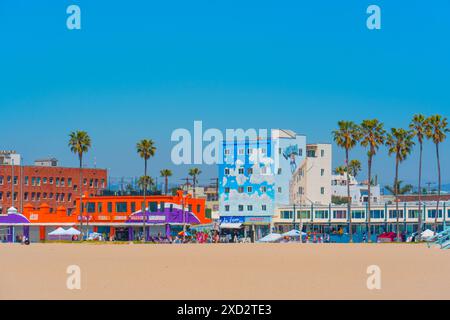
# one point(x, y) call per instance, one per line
point(144, 68)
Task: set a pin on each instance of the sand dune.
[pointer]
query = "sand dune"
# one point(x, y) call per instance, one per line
point(225, 271)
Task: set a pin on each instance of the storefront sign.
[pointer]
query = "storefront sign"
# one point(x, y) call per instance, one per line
point(232, 219)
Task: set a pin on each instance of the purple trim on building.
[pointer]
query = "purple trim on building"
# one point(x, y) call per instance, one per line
point(13, 218)
point(164, 217)
point(130, 234)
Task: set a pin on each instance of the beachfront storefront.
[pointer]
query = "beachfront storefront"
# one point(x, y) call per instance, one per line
point(113, 217)
point(248, 227)
point(334, 219)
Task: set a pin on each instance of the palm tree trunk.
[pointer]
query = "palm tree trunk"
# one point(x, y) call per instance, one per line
point(195, 178)
point(349, 199)
point(81, 196)
point(166, 183)
point(419, 226)
point(396, 199)
point(439, 188)
point(144, 217)
point(369, 231)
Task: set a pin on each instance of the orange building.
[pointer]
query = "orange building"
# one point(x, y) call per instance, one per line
point(116, 217)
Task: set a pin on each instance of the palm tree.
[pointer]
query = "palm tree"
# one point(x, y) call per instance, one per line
point(166, 173)
point(146, 149)
point(436, 129)
point(194, 173)
point(418, 126)
point(346, 137)
point(373, 135)
point(79, 144)
point(401, 189)
point(400, 143)
point(145, 182)
point(354, 167)
point(340, 170)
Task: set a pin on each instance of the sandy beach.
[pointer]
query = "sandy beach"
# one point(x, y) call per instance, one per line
point(226, 271)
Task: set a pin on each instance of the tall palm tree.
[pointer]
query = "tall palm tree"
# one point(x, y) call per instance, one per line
point(436, 129)
point(166, 173)
point(194, 173)
point(79, 144)
point(354, 167)
point(146, 149)
point(418, 126)
point(346, 137)
point(400, 143)
point(373, 136)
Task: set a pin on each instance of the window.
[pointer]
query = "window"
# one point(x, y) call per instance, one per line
point(26, 180)
point(227, 208)
point(249, 151)
point(69, 182)
point(50, 196)
point(91, 183)
point(16, 180)
point(44, 180)
point(38, 196)
point(240, 151)
point(121, 207)
point(227, 171)
point(250, 171)
point(50, 180)
point(279, 190)
point(133, 207)
point(413, 214)
point(33, 181)
point(279, 170)
point(321, 214)
point(227, 190)
point(240, 189)
point(227, 151)
point(322, 172)
point(339, 214)
point(264, 170)
point(90, 207)
point(109, 207)
point(432, 213)
point(322, 153)
point(241, 170)
point(263, 150)
point(99, 207)
point(393, 214)
point(162, 206)
point(263, 189)
point(69, 197)
point(249, 208)
point(25, 196)
point(358, 214)
point(2, 178)
point(322, 190)
point(63, 182)
point(377, 214)
point(44, 195)
point(240, 207)
point(249, 189)
point(153, 206)
point(300, 190)
point(264, 207)
point(85, 181)
point(303, 214)
point(57, 182)
point(286, 214)
point(198, 208)
point(300, 152)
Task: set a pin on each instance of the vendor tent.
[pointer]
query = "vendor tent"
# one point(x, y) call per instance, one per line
point(57, 232)
point(72, 232)
point(272, 237)
point(427, 234)
point(293, 233)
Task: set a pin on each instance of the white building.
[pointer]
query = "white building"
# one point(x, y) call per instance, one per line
point(310, 183)
point(359, 192)
point(10, 158)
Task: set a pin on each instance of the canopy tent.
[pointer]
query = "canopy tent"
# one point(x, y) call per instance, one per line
point(72, 232)
point(293, 233)
point(230, 225)
point(58, 232)
point(427, 234)
point(272, 237)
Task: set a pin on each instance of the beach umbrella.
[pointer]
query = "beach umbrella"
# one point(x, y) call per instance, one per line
point(186, 234)
point(272, 237)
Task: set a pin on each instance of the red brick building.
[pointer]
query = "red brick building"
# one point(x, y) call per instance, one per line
point(55, 186)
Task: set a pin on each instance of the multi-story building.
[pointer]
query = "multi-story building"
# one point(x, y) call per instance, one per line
point(10, 158)
point(52, 185)
point(254, 179)
point(310, 183)
point(359, 192)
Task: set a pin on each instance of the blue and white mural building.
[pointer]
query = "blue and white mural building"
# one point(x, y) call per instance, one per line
point(254, 176)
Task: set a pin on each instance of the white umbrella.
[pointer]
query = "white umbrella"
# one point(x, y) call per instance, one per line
point(272, 237)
